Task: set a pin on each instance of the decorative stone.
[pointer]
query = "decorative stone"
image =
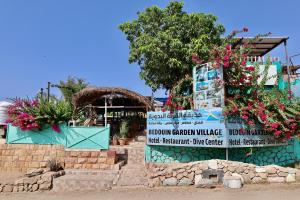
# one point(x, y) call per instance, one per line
point(204, 183)
point(35, 187)
point(212, 164)
point(275, 179)
point(34, 172)
point(271, 170)
point(282, 174)
point(7, 188)
point(170, 182)
point(232, 182)
point(257, 180)
point(197, 178)
point(179, 176)
point(185, 182)
point(240, 176)
point(290, 178)
point(262, 175)
point(260, 170)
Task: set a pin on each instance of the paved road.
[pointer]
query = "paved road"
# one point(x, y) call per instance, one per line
point(261, 192)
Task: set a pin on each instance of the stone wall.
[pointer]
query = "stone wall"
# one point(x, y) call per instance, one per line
point(278, 155)
point(183, 174)
point(24, 157)
point(37, 180)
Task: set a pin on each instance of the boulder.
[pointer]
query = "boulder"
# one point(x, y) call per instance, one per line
point(212, 164)
point(290, 178)
point(240, 176)
point(204, 183)
point(170, 181)
point(185, 182)
point(232, 182)
point(34, 172)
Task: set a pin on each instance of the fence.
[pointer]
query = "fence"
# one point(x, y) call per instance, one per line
point(70, 137)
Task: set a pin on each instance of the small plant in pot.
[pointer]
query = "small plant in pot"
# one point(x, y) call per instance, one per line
point(115, 139)
point(123, 132)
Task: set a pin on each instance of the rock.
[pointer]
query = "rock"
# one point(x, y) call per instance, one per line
point(282, 174)
point(34, 172)
point(15, 189)
point(197, 178)
point(191, 175)
point(257, 180)
point(290, 178)
point(240, 169)
point(31, 180)
point(21, 188)
point(35, 187)
point(212, 164)
point(45, 186)
point(170, 182)
point(204, 183)
point(179, 176)
point(260, 170)
point(246, 178)
point(292, 170)
point(271, 170)
point(7, 188)
point(262, 175)
point(276, 179)
point(185, 182)
point(232, 182)
point(240, 176)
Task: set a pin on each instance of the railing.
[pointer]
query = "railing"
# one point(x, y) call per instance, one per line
point(70, 137)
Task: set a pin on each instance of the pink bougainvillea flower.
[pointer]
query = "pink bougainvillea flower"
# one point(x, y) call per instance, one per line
point(56, 128)
point(250, 68)
point(245, 29)
point(281, 107)
point(245, 117)
point(274, 125)
point(163, 110)
point(277, 133)
point(228, 47)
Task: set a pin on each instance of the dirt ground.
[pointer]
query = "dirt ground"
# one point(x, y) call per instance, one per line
point(261, 192)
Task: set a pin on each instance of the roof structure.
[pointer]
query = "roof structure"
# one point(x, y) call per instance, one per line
point(91, 95)
point(259, 46)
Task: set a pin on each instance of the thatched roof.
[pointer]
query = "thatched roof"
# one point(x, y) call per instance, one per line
point(91, 94)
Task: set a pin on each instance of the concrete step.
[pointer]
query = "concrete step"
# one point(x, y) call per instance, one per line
point(132, 175)
point(85, 180)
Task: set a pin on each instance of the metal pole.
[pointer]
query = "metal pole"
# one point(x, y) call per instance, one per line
point(227, 154)
point(48, 91)
point(287, 65)
point(42, 92)
point(105, 113)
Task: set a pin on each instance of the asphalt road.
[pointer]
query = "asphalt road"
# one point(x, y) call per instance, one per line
point(261, 192)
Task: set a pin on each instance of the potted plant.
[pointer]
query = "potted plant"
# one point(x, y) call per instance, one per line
point(123, 132)
point(115, 140)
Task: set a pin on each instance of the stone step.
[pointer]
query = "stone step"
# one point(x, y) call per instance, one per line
point(103, 173)
point(132, 175)
point(75, 182)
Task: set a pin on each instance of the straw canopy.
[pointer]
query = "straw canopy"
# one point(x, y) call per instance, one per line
point(91, 95)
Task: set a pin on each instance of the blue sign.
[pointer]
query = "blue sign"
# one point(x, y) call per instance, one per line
point(203, 128)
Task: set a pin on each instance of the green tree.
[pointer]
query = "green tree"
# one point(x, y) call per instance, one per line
point(162, 42)
point(71, 86)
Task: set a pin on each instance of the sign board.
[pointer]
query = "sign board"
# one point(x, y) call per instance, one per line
point(203, 128)
point(239, 136)
point(207, 93)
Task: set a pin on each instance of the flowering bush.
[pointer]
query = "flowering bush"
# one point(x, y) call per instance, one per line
point(34, 115)
point(247, 98)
